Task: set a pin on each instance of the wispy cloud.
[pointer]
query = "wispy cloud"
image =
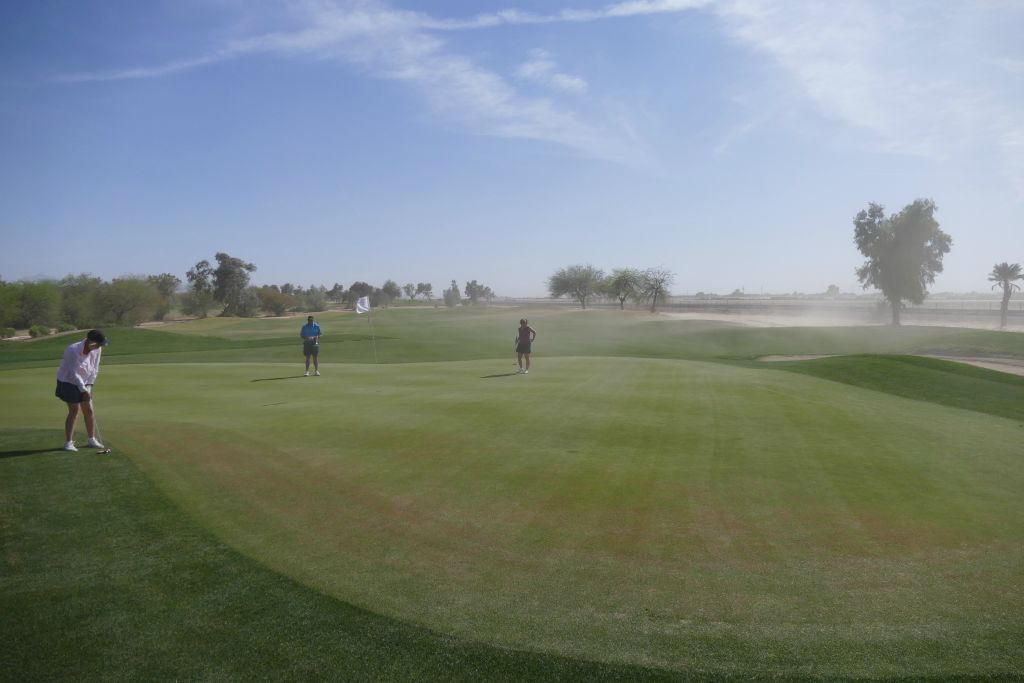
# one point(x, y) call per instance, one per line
point(403, 45)
point(518, 17)
point(541, 69)
point(912, 78)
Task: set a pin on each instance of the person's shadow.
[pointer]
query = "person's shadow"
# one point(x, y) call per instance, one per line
point(32, 451)
point(504, 374)
point(275, 379)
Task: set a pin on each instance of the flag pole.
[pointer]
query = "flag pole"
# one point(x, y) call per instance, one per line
point(363, 306)
point(373, 338)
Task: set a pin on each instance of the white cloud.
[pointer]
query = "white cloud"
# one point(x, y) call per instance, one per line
point(398, 45)
point(518, 17)
point(914, 78)
point(540, 68)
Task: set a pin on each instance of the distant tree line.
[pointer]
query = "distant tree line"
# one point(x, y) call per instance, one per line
point(585, 282)
point(221, 287)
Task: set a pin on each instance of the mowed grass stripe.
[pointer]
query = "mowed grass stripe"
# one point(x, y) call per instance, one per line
point(925, 379)
point(109, 580)
point(657, 511)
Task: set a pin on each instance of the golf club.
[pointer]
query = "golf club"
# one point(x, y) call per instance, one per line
point(96, 429)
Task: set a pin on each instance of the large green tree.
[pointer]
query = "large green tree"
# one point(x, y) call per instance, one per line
point(127, 301)
point(581, 282)
point(1003, 275)
point(78, 300)
point(38, 303)
point(10, 310)
point(230, 282)
point(904, 251)
point(199, 298)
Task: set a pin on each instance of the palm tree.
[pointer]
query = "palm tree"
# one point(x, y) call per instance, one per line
point(1003, 274)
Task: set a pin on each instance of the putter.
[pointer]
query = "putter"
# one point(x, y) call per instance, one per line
point(99, 435)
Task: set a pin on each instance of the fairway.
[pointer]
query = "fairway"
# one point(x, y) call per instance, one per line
point(648, 497)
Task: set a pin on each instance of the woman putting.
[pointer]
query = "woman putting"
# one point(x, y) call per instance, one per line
point(75, 377)
point(524, 339)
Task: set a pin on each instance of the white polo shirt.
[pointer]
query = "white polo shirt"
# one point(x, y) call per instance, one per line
point(77, 368)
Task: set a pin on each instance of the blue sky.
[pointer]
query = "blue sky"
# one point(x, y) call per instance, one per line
point(330, 141)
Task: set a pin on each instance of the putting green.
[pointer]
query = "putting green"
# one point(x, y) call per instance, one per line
point(673, 513)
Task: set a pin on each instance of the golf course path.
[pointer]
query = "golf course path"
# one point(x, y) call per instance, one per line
point(1014, 366)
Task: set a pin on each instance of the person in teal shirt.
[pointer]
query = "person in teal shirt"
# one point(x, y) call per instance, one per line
point(311, 345)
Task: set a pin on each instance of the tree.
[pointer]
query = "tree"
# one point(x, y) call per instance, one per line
point(248, 303)
point(336, 293)
point(273, 300)
point(314, 298)
point(476, 291)
point(580, 282)
point(127, 301)
point(9, 308)
point(426, 289)
point(389, 292)
point(832, 292)
point(230, 280)
point(199, 297)
point(904, 251)
point(357, 291)
point(451, 295)
point(623, 283)
point(654, 285)
point(165, 285)
point(39, 303)
point(1003, 274)
point(410, 290)
point(78, 295)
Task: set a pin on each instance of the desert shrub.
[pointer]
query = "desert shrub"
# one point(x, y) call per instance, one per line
point(7, 332)
point(66, 327)
point(38, 331)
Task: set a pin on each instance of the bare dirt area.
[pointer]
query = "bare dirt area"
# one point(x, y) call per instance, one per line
point(750, 319)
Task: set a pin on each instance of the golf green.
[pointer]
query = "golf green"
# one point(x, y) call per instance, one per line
point(645, 505)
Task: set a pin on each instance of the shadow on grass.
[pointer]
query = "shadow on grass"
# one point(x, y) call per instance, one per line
point(504, 374)
point(27, 451)
point(275, 379)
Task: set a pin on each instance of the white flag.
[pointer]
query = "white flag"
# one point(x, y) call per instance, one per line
point(363, 305)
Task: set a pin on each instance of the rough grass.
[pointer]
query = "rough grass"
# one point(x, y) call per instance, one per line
point(688, 518)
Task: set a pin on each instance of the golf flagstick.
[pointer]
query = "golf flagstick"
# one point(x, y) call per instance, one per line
point(363, 306)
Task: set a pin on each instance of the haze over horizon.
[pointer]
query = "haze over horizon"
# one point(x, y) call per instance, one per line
point(730, 141)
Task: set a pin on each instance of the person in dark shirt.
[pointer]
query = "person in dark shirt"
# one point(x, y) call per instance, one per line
point(524, 342)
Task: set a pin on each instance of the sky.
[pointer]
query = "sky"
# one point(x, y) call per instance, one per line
point(729, 141)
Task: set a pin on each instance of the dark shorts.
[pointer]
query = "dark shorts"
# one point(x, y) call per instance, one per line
point(68, 392)
point(523, 347)
point(310, 348)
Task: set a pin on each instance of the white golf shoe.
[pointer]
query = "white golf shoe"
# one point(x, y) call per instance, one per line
point(307, 374)
point(70, 446)
point(317, 373)
point(95, 443)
